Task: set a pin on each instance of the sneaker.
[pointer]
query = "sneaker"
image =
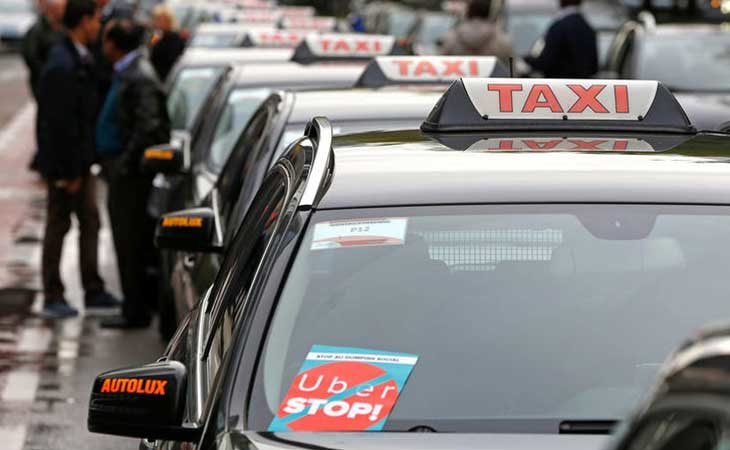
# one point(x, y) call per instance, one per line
point(58, 309)
point(102, 300)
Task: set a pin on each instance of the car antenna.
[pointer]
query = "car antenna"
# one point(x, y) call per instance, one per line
point(511, 67)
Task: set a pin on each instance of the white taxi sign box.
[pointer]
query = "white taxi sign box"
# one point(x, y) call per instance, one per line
point(254, 4)
point(388, 70)
point(557, 99)
point(258, 16)
point(318, 23)
point(514, 103)
point(297, 11)
point(344, 46)
point(274, 38)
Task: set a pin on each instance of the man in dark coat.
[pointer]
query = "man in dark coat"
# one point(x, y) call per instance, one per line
point(570, 49)
point(137, 101)
point(41, 37)
point(65, 132)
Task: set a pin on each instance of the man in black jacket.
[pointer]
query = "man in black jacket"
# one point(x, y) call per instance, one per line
point(137, 101)
point(41, 37)
point(65, 132)
point(570, 49)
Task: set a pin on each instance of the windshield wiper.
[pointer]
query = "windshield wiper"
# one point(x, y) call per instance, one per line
point(587, 426)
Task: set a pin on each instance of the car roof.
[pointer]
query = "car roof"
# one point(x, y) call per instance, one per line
point(410, 167)
point(225, 57)
point(366, 104)
point(682, 28)
point(294, 74)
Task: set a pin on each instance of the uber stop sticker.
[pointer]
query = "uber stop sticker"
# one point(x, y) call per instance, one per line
point(344, 389)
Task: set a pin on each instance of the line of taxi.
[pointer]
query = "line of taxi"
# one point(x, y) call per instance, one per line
point(436, 256)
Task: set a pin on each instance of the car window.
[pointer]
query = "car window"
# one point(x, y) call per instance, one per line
point(239, 166)
point(189, 90)
point(524, 28)
point(687, 61)
point(516, 313)
point(682, 430)
point(238, 110)
point(240, 266)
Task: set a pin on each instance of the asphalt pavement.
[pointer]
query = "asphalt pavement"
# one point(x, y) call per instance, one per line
point(47, 367)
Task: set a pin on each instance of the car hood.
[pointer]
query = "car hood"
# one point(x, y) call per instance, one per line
point(411, 441)
point(706, 111)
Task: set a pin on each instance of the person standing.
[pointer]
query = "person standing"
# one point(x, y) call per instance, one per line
point(166, 44)
point(65, 132)
point(45, 32)
point(477, 35)
point(137, 101)
point(570, 49)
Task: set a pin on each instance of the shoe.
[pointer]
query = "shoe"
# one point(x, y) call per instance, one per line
point(122, 323)
point(58, 309)
point(102, 300)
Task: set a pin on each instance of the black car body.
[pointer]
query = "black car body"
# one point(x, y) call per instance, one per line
point(535, 286)
point(393, 92)
point(690, 59)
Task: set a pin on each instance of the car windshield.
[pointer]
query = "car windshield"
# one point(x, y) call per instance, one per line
point(216, 40)
point(524, 29)
point(515, 312)
point(240, 107)
point(190, 89)
point(433, 27)
point(687, 61)
point(16, 7)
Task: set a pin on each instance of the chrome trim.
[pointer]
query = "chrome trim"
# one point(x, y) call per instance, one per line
point(216, 216)
point(201, 374)
point(319, 131)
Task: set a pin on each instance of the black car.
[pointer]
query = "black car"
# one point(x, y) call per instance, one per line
point(393, 92)
point(693, 60)
point(452, 292)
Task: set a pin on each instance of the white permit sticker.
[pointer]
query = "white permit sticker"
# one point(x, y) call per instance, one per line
point(435, 68)
point(561, 144)
point(360, 233)
point(507, 98)
point(310, 23)
point(349, 45)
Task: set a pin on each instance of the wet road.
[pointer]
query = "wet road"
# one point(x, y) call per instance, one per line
point(46, 368)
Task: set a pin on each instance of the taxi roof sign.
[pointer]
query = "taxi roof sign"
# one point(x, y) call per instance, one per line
point(315, 23)
point(297, 11)
point(476, 104)
point(345, 46)
point(388, 70)
point(274, 37)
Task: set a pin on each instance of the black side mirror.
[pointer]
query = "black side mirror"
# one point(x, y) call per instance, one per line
point(145, 402)
point(164, 158)
point(193, 230)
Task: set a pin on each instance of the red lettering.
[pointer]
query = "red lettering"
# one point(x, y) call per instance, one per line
point(326, 44)
point(504, 145)
point(361, 46)
point(425, 66)
point(342, 45)
point(586, 145)
point(402, 66)
point(587, 98)
point(621, 94)
point(544, 145)
point(378, 46)
point(474, 68)
point(620, 145)
point(541, 96)
point(504, 91)
point(454, 68)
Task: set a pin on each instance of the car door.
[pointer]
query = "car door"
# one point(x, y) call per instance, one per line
point(194, 272)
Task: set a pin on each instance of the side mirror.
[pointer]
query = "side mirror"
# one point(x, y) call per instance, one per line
point(145, 402)
point(193, 230)
point(164, 158)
